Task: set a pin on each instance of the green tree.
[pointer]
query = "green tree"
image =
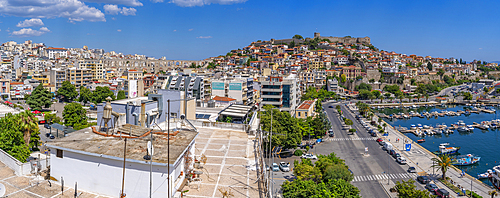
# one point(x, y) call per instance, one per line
point(364, 94)
point(443, 162)
point(467, 96)
point(52, 118)
point(75, 116)
point(343, 78)
point(363, 107)
point(298, 37)
point(67, 91)
point(85, 95)
point(100, 94)
point(348, 122)
point(18, 134)
point(121, 95)
point(377, 94)
point(440, 72)
point(391, 88)
point(283, 123)
point(371, 80)
point(408, 189)
point(363, 86)
point(429, 66)
point(39, 98)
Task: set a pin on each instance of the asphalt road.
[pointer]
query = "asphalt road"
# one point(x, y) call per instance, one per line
point(368, 170)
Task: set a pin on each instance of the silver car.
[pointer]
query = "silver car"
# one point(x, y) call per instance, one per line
point(285, 166)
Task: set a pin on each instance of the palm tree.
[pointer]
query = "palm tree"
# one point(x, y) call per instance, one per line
point(493, 193)
point(443, 162)
point(28, 124)
point(385, 126)
point(419, 96)
point(372, 97)
point(426, 97)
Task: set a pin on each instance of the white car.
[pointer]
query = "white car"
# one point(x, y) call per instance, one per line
point(285, 166)
point(401, 160)
point(309, 156)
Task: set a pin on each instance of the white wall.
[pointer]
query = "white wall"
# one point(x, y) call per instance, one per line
point(104, 175)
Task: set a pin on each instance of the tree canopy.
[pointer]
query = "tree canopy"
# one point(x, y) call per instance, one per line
point(85, 95)
point(363, 86)
point(100, 94)
point(67, 91)
point(391, 88)
point(121, 95)
point(75, 116)
point(18, 134)
point(328, 177)
point(297, 37)
point(321, 95)
point(39, 98)
point(408, 189)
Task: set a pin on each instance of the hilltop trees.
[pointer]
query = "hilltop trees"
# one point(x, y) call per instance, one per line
point(39, 98)
point(85, 95)
point(67, 91)
point(298, 37)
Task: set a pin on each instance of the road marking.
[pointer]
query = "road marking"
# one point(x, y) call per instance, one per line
point(362, 178)
point(350, 139)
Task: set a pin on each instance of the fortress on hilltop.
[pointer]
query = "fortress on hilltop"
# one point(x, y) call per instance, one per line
point(345, 39)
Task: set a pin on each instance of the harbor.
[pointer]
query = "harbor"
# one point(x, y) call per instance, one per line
point(476, 132)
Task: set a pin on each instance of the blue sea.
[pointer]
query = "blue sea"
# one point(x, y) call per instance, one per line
point(484, 143)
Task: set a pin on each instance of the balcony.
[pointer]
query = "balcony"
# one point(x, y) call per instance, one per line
point(271, 103)
point(272, 90)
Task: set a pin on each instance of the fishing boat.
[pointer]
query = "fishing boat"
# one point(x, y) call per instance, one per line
point(485, 175)
point(421, 140)
point(465, 160)
point(426, 127)
point(444, 150)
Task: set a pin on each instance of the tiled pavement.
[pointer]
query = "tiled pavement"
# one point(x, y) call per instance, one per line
point(230, 164)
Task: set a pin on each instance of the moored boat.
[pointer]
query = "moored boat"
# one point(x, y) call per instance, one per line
point(465, 160)
point(421, 140)
point(485, 175)
point(443, 150)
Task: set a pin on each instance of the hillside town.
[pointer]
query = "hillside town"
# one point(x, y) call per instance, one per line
point(116, 125)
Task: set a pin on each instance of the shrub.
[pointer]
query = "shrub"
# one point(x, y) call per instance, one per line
point(298, 152)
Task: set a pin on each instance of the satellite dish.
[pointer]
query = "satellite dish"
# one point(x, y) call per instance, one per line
point(150, 148)
point(2, 190)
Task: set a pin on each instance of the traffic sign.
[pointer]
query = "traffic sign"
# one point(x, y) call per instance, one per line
point(407, 147)
point(366, 149)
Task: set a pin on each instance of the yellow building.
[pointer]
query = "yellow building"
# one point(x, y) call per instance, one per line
point(306, 109)
point(133, 74)
point(79, 77)
point(95, 66)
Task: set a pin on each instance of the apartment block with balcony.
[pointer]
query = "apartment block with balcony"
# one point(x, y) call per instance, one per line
point(79, 77)
point(281, 92)
point(95, 66)
point(5, 88)
point(240, 88)
point(57, 76)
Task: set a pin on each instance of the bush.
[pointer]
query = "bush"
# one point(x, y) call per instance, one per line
point(474, 194)
point(298, 152)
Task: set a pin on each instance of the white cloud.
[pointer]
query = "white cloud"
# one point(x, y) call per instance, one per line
point(175, 30)
point(111, 9)
point(204, 37)
point(191, 29)
point(114, 10)
point(133, 3)
point(30, 22)
point(118, 30)
point(156, 1)
point(191, 3)
point(74, 10)
point(28, 32)
point(128, 11)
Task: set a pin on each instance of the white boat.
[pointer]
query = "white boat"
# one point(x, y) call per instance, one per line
point(413, 127)
point(419, 126)
point(426, 127)
point(485, 175)
point(470, 127)
point(463, 129)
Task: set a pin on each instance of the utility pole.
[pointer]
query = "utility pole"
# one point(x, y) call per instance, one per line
point(123, 176)
point(151, 166)
point(270, 153)
point(168, 148)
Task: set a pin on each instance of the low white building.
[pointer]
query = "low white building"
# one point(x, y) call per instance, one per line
point(96, 162)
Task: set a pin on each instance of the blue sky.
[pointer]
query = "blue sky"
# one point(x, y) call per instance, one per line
point(198, 29)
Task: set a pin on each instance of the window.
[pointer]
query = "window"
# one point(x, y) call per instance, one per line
point(59, 153)
point(299, 114)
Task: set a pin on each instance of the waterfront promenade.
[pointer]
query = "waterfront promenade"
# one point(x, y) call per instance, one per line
point(421, 159)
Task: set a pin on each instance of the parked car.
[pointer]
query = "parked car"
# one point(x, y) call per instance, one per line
point(373, 134)
point(396, 155)
point(391, 152)
point(401, 160)
point(442, 193)
point(308, 156)
point(379, 140)
point(285, 166)
point(382, 143)
point(47, 126)
point(276, 168)
point(423, 179)
point(412, 169)
point(330, 106)
point(303, 146)
point(431, 187)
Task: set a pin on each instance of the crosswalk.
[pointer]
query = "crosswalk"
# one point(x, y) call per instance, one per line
point(361, 178)
point(350, 139)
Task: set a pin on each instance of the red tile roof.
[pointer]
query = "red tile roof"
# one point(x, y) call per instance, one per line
point(224, 99)
point(306, 104)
